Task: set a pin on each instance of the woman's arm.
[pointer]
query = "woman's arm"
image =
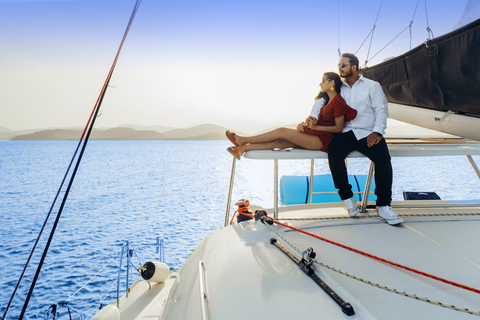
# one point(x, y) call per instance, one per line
point(337, 128)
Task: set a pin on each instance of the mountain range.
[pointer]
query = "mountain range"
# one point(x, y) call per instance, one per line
point(123, 132)
point(159, 132)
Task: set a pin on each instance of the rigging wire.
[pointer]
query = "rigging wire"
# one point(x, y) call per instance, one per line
point(338, 28)
point(368, 35)
point(401, 32)
point(83, 143)
point(373, 31)
point(387, 44)
point(429, 31)
point(411, 23)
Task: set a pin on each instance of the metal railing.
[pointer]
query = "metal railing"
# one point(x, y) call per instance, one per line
point(366, 191)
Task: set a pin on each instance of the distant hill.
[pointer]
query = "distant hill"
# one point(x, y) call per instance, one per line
point(158, 128)
point(125, 134)
point(201, 132)
point(206, 130)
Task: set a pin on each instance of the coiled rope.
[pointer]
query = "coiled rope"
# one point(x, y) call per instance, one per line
point(81, 146)
point(242, 209)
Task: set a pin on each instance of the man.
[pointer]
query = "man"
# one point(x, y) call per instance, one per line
point(365, 134)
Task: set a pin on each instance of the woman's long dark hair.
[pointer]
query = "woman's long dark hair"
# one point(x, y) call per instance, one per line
point(338, 86)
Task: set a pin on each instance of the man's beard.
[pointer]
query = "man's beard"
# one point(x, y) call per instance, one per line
point(347, 74)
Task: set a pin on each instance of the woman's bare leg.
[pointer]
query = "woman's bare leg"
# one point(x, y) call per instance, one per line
point(293, 136)
point(280, 144)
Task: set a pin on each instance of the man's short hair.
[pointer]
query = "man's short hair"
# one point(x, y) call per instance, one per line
point(352, 59)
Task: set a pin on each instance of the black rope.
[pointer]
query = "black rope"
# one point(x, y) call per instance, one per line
point(88, 128)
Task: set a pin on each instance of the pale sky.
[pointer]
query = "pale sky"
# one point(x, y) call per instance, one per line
point(190, 62)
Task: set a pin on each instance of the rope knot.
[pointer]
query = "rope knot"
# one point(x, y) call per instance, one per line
point(243, 211)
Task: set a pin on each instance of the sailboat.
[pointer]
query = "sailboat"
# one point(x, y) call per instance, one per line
point(309, 259)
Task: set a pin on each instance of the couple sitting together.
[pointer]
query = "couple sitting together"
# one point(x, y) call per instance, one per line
point(352, 116)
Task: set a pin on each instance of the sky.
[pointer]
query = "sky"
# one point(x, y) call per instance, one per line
point(232, 63)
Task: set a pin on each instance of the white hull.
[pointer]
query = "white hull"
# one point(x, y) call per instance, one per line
point(246, 277)
point(236, 273)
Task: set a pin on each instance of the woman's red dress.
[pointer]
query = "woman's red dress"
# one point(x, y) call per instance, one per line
point(335, 108)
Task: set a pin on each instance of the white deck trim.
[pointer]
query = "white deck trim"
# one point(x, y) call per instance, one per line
point(420, 149)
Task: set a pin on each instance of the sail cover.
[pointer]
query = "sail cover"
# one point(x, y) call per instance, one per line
point(441, 74)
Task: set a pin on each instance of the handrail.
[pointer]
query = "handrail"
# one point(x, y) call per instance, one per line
point(275, 189)
point(202, 273)
point(366, 191)
point(120, 271)
point(474, 165)
point(229, 198)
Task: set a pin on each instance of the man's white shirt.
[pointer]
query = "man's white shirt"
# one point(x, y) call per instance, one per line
point(316, 108)
point(367, 97)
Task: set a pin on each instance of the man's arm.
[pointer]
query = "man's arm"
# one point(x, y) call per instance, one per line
point(380, 105)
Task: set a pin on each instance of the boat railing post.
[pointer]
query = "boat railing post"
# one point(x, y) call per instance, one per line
point(229, 198)
point(275, 189)
point(160, 249)
point(474, 165)
point(368, 184)
point(312, 164)
point(128, 268)
point(119, 273)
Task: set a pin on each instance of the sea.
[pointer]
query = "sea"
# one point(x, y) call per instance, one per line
point(136, 192)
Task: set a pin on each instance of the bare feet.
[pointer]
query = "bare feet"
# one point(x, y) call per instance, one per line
point(232, 137)
point(234, 152)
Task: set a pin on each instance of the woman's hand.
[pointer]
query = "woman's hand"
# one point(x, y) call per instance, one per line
point(311, 119)
point(310, 122)
point(300, 126)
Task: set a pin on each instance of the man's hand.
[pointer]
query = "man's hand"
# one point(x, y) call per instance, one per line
point(373, 138)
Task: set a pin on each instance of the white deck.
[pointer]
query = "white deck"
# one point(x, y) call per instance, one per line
point(248, 278)
point(397, 148)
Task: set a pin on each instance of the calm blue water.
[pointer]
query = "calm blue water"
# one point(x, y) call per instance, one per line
point(138, 190)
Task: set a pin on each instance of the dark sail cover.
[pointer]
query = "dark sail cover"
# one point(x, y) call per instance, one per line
point(441, 74)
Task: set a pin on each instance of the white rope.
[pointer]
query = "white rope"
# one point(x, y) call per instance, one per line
point(376, 285)
point(112, 286)
point(93, 276)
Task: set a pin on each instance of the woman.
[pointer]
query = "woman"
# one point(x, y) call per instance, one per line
point(312, 134)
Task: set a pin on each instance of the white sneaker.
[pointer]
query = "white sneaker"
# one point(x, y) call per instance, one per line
point(352, 208)
point(387, 214)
